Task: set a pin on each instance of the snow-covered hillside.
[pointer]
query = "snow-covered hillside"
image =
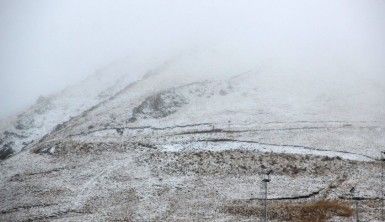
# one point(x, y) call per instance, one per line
point(48, 112)
point(51, 111)
point(191, 141)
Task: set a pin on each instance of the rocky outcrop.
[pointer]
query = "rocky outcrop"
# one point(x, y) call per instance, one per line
point(158, 106)
point(6, 151)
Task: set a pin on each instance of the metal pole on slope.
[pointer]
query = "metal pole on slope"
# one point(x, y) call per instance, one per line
point(382, 185)
point(355, 199)
point(357, 211)
point(265, 181)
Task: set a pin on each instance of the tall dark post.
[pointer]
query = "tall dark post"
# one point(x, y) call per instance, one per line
point(355, 199)
point(357, 212)
point(382, 186)
point(265, 181)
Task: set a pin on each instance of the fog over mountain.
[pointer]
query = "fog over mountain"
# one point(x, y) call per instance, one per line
point(48, 45)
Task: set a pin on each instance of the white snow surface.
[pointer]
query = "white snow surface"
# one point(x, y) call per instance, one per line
point(195, 135)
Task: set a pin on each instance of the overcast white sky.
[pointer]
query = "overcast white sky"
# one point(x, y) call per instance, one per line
point(46, 45)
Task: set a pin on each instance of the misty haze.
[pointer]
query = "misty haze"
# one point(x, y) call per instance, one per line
point(192, 110)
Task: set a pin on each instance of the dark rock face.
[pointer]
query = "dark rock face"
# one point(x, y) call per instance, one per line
point(158, 106)
point(7, 144)
point(6, 151)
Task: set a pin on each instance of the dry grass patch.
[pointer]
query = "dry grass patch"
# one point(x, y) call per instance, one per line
point(324, 210)
point(319, 211)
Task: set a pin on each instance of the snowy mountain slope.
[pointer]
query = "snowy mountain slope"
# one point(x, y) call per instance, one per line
point(48, 112)
point(251, 103)
point(191, 141)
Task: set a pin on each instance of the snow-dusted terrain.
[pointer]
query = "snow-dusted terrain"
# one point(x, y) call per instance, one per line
point(30, 126)
point(190, 140)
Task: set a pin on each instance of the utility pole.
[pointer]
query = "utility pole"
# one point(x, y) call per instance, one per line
point(382, 185)
point(353, 194)
point(266, 179)
point(357, 211)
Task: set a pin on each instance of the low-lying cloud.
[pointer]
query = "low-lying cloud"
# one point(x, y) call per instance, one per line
point(47, 45)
